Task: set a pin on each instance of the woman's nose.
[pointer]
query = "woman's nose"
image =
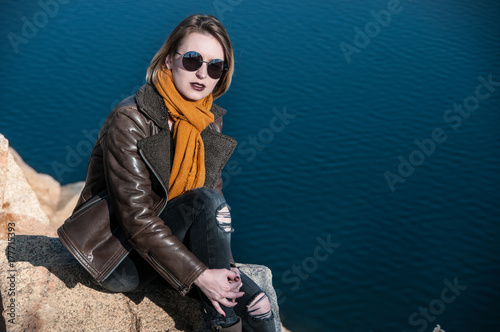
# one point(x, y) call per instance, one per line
point(201, 73)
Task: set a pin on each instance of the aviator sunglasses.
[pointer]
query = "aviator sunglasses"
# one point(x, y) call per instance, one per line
point(193, 60)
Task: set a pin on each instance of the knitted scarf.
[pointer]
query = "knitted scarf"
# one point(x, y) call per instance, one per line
point(190, 118)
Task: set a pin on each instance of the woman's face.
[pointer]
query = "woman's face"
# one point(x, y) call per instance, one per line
point(195, 85)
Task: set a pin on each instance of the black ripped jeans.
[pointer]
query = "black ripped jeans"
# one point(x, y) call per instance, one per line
point(200, 219)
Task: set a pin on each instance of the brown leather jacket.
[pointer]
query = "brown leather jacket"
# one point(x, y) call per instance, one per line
point(132, 160)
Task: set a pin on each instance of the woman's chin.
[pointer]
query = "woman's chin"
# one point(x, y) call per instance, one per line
point(195, 95)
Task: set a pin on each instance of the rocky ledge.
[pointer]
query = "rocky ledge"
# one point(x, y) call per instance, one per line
point(44, 289)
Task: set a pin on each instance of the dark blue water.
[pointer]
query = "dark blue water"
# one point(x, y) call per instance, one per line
point(366, 179)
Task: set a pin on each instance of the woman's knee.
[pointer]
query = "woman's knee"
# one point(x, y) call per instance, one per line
point(223, 218)
point(125, 278)
point(259, 307)
point(213, 204)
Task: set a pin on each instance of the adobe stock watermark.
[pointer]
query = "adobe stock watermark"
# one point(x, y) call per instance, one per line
point(436, 307)
point(31, 26)
point(454, 117)
point(361, 39)
point(253, 144)
point(294, 276)
point(11, 303)
point(222, 6)
point(75, 155)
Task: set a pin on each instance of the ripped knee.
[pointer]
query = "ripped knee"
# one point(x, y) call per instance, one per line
point(223, 217)
point(259, 307)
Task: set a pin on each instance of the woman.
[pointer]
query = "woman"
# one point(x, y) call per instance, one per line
point(158, 161)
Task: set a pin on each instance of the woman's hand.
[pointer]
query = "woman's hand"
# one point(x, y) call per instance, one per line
point(220, 286)
point(237, 272)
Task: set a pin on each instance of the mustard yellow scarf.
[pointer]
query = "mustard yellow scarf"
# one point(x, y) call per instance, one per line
point(190, 118)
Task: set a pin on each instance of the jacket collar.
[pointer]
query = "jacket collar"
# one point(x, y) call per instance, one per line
point(151, 103)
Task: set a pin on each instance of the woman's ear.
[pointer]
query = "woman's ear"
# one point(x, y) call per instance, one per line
point(168, 62)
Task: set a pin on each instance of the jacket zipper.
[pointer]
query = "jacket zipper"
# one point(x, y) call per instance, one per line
point(159, 180)
point(180, 286)
point(87, 205)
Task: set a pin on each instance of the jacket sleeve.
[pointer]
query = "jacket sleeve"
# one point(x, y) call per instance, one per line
point(130, 190)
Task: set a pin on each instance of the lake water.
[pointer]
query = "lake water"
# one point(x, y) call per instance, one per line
point(367, 173)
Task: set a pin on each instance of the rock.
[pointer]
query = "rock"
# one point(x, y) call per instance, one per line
point(262, 276)
point(4, 155)
point(56, 201)
point(46, 188)
point(22, 224)
point(18, 203)
point(68, 198)
point(54, 293)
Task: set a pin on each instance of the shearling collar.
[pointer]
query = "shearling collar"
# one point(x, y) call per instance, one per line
point(151, 103)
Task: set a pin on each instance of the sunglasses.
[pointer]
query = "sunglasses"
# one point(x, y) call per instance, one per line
point(193, 60)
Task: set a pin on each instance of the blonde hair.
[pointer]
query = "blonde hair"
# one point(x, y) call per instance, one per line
point(195, 23)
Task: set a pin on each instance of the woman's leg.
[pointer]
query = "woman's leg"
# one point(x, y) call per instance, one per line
point(124, 278)
point(131, 273)
point(254, 308)
point(200, 219)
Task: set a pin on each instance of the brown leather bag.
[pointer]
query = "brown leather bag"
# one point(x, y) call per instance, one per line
point(97, 241)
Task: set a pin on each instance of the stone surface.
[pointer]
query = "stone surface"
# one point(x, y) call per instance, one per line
point(18, 203)
point(46, 188)
point(22, 224)
point(53, 293)
point(4, 155)
point(262, 276)
point(68, 198)
point(56, 201)
point(47, 290)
